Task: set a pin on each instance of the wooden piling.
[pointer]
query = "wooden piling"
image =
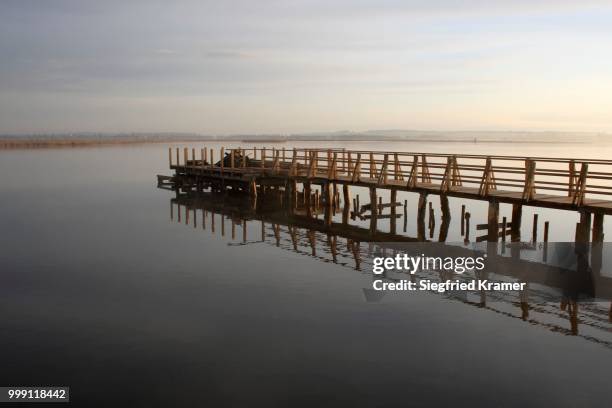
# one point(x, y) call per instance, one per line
point(534, 229)
point(493, 220)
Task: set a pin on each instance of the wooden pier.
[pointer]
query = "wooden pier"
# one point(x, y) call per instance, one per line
point(584, 186)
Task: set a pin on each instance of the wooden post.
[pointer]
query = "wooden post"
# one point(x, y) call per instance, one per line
point(372, 166)
point(503, 232)
point(467, 228)
point(178, 162)
point(493, 219)
point(232, 159)
point(307, 195)
point(517, 214)
point(598, 230)
point(212, 160)
point(244, 231)
point(222, 153)
point(170, 157)
point(534, 230)
point(185, 155)
point(393, 211)
point(546, 225)
point(263, 157)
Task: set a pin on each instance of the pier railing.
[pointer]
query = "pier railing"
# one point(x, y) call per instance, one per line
point(480, 175)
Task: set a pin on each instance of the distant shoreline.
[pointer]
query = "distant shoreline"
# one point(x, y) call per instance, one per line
point(68, 141)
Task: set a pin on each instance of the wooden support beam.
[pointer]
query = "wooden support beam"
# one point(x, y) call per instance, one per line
point(382, 178)
point(598, 227)
point(414, 172)
point(580, 189)
point(397, 168)
point(372, 166)
point(487, 181)
point(263, 157)
point(529, 189)
point(357, 170)
point(493, 218)
point(425, 175)
point(170, 157)
point(534, 229)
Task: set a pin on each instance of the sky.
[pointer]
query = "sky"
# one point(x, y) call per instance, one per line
point(291, 66)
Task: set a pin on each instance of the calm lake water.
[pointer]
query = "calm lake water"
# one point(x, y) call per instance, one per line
point(103, 292)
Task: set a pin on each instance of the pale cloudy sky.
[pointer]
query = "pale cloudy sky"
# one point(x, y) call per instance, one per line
point(258, 66)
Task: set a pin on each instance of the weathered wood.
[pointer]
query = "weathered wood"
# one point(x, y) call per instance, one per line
point(534, 229)
point(493, 218)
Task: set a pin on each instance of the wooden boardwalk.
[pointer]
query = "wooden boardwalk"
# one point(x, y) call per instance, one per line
point(561, 183)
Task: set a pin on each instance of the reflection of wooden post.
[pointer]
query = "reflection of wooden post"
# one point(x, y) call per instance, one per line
point(222, 225)
point(263, 231)
point(212, 222)
point(393, 211)
point(421, 210)
point(462, 219)
point(334, 247)
point(446, 218)
point(405, 215)
point(374, 210)
point(346, 203)
point(244, 231)
point(328, 203)
point(203, 219)
point(598, 238)
point(493, 218)
point(517, 212)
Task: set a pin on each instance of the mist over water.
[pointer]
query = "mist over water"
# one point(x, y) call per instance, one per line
point(102, 292)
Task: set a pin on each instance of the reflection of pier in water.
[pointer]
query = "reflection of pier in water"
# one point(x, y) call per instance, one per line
point(353, 246)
